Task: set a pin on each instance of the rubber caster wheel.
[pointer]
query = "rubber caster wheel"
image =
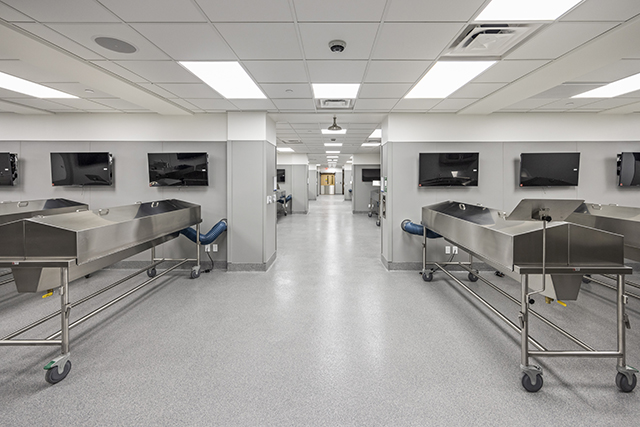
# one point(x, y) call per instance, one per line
point(585, 279)
point(378, 223)
point(195, 274)
point(370, 214)
point(285, 214)
point(86, 276)
point(623, 383)
point(472, 277)
point(152, 272)
point(427, 276)
point(531, 388)
point(53, 376)
point(499, 274)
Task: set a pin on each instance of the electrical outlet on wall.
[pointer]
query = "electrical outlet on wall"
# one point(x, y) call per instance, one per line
point(455, 250)
point(214, 247)
point(447, 250)
point(207, 248)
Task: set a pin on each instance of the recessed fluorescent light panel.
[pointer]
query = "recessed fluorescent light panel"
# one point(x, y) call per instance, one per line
point(26, 87)
point(333, 132)
point(333, 144)
point(445, 77)
point(525, 10)
point(229, 79)
point(376, 134)
point(349, 161)
point(333, 152)
point(285, 149)
point(371, 144)
point(626, 85)
point(333, 91)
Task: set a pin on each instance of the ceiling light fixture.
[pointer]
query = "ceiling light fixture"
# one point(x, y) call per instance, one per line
point(333, 144)
point(26, 87)
point(335, 90)
point(285, 149)
point(371, 144)
point(333, 132)
point(229, 79)
point(526, 10)
point(115, 45)
point(334, 126)
point(333, 152)
point(445, 77)
point(376, 134)
point(611, 90)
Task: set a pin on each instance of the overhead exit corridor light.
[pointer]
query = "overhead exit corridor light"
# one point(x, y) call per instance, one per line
point(229, 79)
point(611, 90)
point(525, 10)
point(16, 84)
point(335, 90)
point(445, 77)
point(285, 149)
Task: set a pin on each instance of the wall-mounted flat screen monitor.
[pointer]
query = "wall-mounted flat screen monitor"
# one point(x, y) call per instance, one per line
point(280, 175)
point(80, 169)
point(629, 169)
point(370, 175)
point(448, 170)
point(549, 169)
point(178, 169)
point(8, 168)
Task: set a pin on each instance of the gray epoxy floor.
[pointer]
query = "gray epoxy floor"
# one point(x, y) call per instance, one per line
point(326, 337)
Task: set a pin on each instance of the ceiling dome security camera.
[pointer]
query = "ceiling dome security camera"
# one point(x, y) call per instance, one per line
point(337, 46)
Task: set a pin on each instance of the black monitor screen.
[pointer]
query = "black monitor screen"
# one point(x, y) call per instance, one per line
point(8, 168)
point(81, 169)
point(179, 169)
point(629, 169)
point(280, 175)
point(448, 169)
point(370, 175)
point(549, 169)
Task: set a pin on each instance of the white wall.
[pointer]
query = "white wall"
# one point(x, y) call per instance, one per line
point(502, 139)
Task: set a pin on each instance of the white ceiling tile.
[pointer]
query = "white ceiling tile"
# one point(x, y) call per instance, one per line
point(375, 104)
point(396, 71)
point(29, 72)
point(9, 14)
point(187, 105)
point(118, 70)
point(336, 71)
point(416, 104)
point(564, 91)
point(280, 90)
point(453, 104)
point(305, 126)
point(41, 104)
point(508, 71)
point(432, 10)
point(160, 71)
point(414, 40)
point(381, 90)
point(85, 34)
point(151, 11)
point(187, 42)
point(211, 104)
point(248, 41)
point(528, 104)
point(247, 10)
point(63, 10)
point(158, 90)
point(358, 36)
point(46, 33)
point(558, 39)
point(294, 104)
point(9, 94)
point(612, 72)
point(119, 104)
point(82, 104)
point(609, 10)
point(476, 90)
point(78, 89)
point(605, 104)
point(339, 10)
point(277, 71)
point(253, 104)
point(363, 126)
point(190, 90)
point(567, 104)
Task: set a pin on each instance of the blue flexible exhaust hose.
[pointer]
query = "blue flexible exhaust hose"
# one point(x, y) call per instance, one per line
point(418, 229)
point(208, 238)
point(288, 199)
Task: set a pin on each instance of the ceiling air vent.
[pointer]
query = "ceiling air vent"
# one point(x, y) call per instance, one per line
point(291, 141)
point(490, 40)
point(334, 104)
